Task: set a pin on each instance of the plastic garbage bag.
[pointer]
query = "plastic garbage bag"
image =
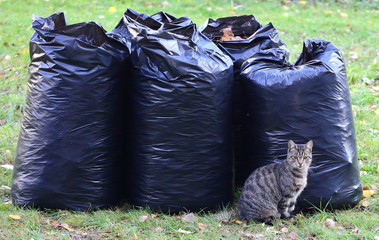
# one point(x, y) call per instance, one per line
point(246, 36)
point(68, 152)
point(306, 101)
point(180, 143)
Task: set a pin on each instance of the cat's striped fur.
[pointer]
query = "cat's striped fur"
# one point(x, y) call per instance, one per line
point(271, 191)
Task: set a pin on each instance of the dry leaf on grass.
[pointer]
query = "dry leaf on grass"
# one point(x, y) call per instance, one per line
point(237, 221)
point(154, 215)
point(15, 217)
point(368, 193)
point(143, 218)
point(158, 229)
point(365, 204)
point(202, 227)
point(62, 225)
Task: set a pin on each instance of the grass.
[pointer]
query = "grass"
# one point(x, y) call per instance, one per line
point(350, 25)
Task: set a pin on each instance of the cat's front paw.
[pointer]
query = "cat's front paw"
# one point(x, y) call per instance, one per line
point(286, 215)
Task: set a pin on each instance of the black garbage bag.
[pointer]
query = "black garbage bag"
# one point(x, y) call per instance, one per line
point(68, 151)
point(306, 101)
point(251, 35)
point(180, 143)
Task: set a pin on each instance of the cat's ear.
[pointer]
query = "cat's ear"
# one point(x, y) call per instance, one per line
point(309, 144)
point(291, 144)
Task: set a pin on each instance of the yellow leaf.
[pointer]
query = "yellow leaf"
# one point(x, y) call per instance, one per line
point(15, 217)
point(237, 221)
point(112, 9)
point(377, 111)
point(343, 14)
point(366, 203)
point(369, 22)
point(329, 12)
point(24, 50)
point(368, 193)
point(65, 226)
point(303, 2)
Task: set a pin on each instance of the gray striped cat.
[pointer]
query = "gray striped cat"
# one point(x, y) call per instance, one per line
point(271, 191)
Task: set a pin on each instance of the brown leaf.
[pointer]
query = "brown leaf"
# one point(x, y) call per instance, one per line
point(355, 230)
point(123, 217)
point(18, 223)
point(143, 218)
point(365, 188)
point(158, 229)
point(202, 227)
point(154, 215)
point(15, 217)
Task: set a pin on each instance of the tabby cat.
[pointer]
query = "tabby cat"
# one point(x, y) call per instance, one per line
point(271, 191)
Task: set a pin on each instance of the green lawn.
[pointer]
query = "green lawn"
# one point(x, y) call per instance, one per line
point(350, 25)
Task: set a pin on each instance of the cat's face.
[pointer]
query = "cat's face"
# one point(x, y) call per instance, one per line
point(299, 155)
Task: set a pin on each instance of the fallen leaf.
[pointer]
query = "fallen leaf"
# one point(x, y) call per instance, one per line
point(312, 235)
point(344, 15)
point(293, 235)
point(154, 215)
point(355, 230)
point(365, 188)
point(373, 187)
point(158, 229)
point(362, 173)
point(284, 230)
point(237, 221)
point(365, 203)
point(65, 226)
point(190, 217)
point(143, 218)
point(369, 22)
point(377, 111)
point(18, 223)
point(62, 225)
point(329, 12)
point(202, 227)
point(302, 2)
point(368, 193)
point(329, 223)
point(15, 217)
point(123, 217)
point(184, 231)
point(112, 9)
